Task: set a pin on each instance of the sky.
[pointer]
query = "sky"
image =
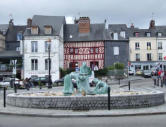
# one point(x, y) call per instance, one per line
point(138, 12)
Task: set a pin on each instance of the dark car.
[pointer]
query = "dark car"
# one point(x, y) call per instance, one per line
point(59, 81)
point(35, 80)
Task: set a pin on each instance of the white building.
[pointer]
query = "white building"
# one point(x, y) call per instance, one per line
point(41, 32)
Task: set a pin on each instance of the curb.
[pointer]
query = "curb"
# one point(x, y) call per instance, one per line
point(80, 115)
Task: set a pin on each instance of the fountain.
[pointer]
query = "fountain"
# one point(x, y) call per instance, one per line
point(85, 97)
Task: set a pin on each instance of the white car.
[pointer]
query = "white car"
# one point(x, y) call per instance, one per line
point(131, 72)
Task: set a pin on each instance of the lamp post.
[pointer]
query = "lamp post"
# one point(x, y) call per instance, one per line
point(49, 64)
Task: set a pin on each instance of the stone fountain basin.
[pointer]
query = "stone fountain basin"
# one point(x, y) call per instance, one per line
point(56, 100)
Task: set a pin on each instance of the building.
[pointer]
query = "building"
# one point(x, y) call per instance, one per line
point(84, 42)
point(13, 37)
point(116, 45)
point(146, 47)
point(41, 33)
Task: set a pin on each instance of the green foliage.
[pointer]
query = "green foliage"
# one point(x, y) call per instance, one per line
point(117, 66)
point(101, 72)
point(64, 72)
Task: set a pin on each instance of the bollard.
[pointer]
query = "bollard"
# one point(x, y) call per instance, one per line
point(4, 97)
point(129, 85)
point(15, 88)
point(108, 98)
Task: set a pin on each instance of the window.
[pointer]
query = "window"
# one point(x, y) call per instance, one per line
point(148, 34)
point(148, 45)
point(34, 47)
point(91, 50)
point(137, 45)
point(47, 64)
point(47, 29)
point(116, 50)
point(137, 67)
point(96, 50)
point(47, 46)
point(76, 50)
point(115, 37)
point(146, 67)
point(160, 56)
point(137, 57)
point(136, 34)
point(159, 45)
point(71, 50)
point(34, 64)
point(123, 34)
point(149, 58)
point(17, 48)
point(19, 36)
point(159, 34)
point(34, 30)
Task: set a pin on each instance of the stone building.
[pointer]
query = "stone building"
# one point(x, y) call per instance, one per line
point(116, 45)
point(41, 33)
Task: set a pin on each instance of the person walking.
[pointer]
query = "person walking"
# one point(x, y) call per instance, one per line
point(154, 77)
point(161, 77)
point(164, 78)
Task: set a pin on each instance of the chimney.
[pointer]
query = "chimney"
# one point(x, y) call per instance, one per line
point(152, 24)
point(84, 25)
point(11, 24)
point(29, 22)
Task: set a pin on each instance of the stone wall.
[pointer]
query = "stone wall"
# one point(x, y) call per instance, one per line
point(87, 102)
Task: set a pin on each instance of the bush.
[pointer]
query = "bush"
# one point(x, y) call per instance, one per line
point(64, 72)
point(101, 72)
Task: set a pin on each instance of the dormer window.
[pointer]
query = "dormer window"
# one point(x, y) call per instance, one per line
point(115, 36)
point(34, 30)
point(47, 29)
point(159, 34)
point(148, 34)
point(136, 34)
point(123, 34)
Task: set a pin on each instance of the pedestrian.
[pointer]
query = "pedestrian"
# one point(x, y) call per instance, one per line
point(164, 78)
point(26, 83)
point(154, 77)
point(161, 77)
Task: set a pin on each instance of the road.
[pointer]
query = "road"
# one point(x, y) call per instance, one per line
point(129, 121)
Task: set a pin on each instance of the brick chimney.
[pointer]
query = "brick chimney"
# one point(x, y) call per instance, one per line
point(152, 24)
point(29, 22)
point(84, 25)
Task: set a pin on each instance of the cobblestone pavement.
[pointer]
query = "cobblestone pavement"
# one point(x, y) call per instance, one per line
point(143, 84)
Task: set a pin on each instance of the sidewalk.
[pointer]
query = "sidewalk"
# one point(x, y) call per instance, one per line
point(92, 113)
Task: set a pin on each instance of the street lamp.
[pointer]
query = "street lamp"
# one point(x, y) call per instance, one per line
point(49, 64)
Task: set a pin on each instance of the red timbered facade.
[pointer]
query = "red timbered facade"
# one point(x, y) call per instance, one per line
point(90, 52)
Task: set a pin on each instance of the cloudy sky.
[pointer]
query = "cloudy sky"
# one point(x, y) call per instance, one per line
point(139, 12)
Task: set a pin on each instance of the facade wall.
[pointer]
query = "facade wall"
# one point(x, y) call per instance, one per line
point(123, 56)
point(84, 53)
point(143, 48)
point(41, 55)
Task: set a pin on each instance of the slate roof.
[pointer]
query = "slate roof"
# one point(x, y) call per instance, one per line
point(130, 32)
point(72, 33)
point(12, 32)
point(39, 20)
point(117, 28)
point(10, 54)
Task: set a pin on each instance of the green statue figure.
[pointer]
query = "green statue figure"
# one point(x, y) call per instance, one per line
point(81, 79)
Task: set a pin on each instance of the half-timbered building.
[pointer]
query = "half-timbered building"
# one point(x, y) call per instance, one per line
point(84, 42)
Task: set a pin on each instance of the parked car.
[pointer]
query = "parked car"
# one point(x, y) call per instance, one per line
point(59, 80)
point(139, 72)
point(147, 73)
point(35, 80)
point(5, 82)
point(131, 72)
